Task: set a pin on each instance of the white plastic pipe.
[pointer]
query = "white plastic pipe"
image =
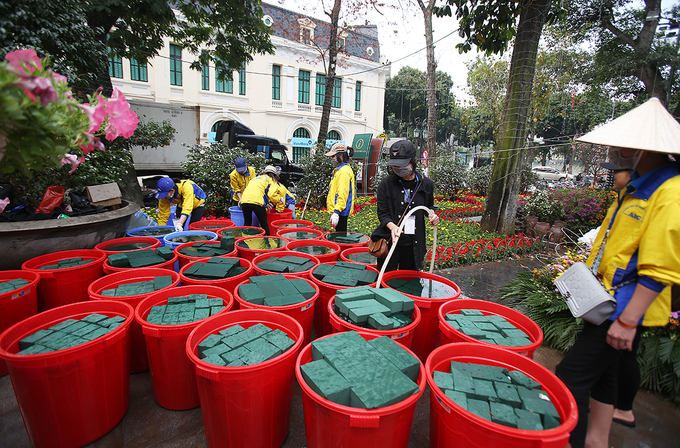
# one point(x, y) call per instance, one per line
point(430, 212)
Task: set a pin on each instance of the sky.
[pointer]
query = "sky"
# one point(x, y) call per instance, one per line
point(402, 38)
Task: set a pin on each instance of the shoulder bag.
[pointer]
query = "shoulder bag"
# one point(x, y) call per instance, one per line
point(584, 293)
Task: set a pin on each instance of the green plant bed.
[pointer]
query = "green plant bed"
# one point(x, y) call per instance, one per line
point(534, 294)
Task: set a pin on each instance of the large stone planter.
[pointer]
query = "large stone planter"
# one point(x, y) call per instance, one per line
point(21, 241)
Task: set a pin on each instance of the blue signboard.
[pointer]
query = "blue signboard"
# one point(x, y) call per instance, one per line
point(330, 143)
point(302, 142)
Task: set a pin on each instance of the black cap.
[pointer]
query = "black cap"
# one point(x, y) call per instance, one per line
point(401, 153)
point(613, 166)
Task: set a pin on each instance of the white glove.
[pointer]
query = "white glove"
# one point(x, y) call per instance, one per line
point(179, 227)
point(334, 219)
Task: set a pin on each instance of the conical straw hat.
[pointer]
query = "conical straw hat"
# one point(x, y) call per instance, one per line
point(649, 127)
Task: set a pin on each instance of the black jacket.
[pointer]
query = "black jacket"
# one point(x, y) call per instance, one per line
point(391, 206)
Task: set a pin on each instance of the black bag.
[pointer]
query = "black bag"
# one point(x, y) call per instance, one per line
point(79, 200)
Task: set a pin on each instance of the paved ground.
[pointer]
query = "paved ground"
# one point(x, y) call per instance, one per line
point(148, 425)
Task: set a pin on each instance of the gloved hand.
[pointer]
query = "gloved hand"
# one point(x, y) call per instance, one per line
point(179, 227)
point(334, 219)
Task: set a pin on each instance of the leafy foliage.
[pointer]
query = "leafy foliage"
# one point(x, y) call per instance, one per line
point(99, 167)
point(449, 175)
point(209, 166)
point(78, 32)
point(480, 178)
point(581, 209)
point(534, 294)
point(659, 359)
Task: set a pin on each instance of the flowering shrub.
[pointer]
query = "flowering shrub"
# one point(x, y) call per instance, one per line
point(43, 126)
point(582, 208)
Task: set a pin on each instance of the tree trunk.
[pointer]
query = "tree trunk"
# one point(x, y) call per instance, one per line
point(330, 72)
point(501, 201)
point(431, 79)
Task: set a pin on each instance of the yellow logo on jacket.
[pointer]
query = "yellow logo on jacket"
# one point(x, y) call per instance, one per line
point(636, 212)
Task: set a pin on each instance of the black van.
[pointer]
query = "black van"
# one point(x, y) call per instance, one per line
point(232, 132)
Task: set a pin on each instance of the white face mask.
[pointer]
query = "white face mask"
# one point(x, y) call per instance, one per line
point(624, 162)
point(402, 171)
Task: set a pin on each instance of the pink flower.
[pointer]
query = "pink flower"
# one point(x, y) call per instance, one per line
point(73, 160)
point(45, 90)
point(28, 58)
point(122, 121)
point(59, 78)
point(93, 143)
point(28, 87)
point(95, 114)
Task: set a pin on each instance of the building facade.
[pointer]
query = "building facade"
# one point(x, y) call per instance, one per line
point(277, 95)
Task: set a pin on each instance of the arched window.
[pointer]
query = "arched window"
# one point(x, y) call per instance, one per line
point(333, 135)
point(300, 152)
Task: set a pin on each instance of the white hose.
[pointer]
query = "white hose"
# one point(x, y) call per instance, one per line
point(430, 212)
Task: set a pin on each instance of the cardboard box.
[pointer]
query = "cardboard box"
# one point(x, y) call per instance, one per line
point(104, 194)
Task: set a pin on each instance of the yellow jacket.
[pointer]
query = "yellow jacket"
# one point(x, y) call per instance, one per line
point(644, 241)
point(188, 196)
point(282, 198)
point(239, 182)
point(342, 191)
point(260, 190)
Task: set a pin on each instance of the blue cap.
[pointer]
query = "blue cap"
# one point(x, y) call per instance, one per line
point(164, 185)
point(241, 165)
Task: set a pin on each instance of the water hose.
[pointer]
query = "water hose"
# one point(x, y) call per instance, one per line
point(430, 212)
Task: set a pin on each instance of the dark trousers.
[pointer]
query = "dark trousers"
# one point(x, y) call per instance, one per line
point(196, 214)
point(591, 369)
point(342, 224)
point(403, 258)
point(259, 211)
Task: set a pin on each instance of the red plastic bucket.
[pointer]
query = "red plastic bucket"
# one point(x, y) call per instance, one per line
point(275, 216)
point(322, 324)
point(149, 242)
point(18, 304)
point(212, 225)
point(519, 320)
point(283, 253)
point(59, 287)
point(246, 406)
point(237, 232)
point(252, 246)
point(74, 396)
point(302, 312)
point(173, 375)
point(323, 258)
point(346, 255)
point(275, 226)
point(426, 336)
point(292, 234)
point(453, 427)
point(332, 235)
point(186, 259)
point(330, 425)
point(227, 283)
point(403, 335)
point(170, 265)
point(138, 358)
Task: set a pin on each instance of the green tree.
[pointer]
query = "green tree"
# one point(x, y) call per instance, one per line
point(627, 50)
point(406, 100)
point(223, 32)
point(490, 25)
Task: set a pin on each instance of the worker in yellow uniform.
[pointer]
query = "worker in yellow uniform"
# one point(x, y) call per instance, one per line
point(240, 177)
point(340, 201)
point(260, 195)
point(284, 199)
point(188, 197)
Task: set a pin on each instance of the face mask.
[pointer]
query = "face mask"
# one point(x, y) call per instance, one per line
point(402, 171)
point(334, 160)
point(624, 162)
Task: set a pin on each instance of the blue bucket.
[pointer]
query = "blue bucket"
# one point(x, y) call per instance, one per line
point(135, 232)
point(209, 236)
point(236, 215)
